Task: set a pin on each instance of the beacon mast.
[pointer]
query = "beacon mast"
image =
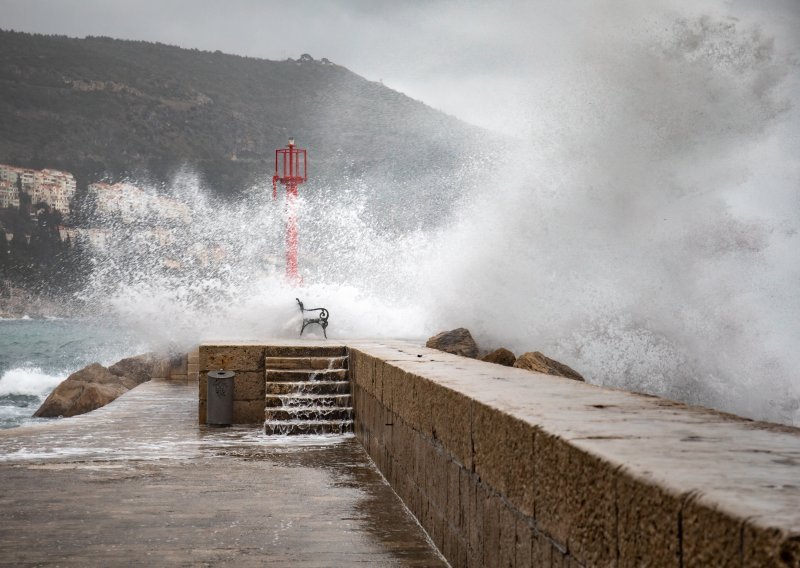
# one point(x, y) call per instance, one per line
point(291, 171)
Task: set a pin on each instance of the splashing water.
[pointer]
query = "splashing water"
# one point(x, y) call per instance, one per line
point(643, 230)
point(22, 390)
point(36, 355)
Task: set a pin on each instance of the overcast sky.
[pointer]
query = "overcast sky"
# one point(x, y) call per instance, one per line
point(477, 60)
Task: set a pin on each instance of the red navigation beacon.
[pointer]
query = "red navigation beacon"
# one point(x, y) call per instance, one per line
point(291, 171)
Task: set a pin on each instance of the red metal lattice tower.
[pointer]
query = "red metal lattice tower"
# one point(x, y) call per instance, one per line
point(291, 171)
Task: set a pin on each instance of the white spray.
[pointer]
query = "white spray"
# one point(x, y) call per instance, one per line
point(643, 229)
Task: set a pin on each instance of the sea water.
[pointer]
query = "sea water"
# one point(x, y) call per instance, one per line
point(37, 354)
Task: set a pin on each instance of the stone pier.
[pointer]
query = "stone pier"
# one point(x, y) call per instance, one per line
point(139, 483)
point(499, 466)
point(505, 467)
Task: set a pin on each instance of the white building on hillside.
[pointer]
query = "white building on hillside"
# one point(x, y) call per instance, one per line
point(9, 195)
point(132, 203)
point(52, 187)
point(125, 199)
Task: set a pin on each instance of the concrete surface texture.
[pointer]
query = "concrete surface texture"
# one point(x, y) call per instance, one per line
point(139, 483)
point(505, 467)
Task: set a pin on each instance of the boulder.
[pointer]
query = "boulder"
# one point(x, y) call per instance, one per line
point(94, 396)
point(91, 387)
point(95, 386)
point(133, 371)
point(500, 356)
point(458, 342)
point(535, 361)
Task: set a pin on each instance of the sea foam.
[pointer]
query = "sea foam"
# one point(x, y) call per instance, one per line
point(29, 381)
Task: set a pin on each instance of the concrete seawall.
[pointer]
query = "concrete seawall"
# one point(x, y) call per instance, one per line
point(503, 467)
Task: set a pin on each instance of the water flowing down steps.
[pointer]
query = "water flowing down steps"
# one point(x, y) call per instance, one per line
point(307, 391)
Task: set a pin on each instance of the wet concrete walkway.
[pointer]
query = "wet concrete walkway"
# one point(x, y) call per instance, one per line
point(139, 483)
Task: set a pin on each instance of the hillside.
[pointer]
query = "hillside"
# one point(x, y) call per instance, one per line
point(104, 107)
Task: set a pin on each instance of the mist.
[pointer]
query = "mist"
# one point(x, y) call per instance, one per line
point(639, 223)
point(645, 229)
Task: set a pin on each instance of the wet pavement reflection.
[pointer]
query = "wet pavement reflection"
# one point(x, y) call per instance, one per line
point(140, 483)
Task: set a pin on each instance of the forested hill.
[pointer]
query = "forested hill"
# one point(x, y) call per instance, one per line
point(99, 106)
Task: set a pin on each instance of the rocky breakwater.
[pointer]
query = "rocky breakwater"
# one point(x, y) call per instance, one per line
point(95, 386)
point(460, 342)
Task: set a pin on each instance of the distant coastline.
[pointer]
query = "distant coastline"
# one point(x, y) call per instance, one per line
point(18, 303)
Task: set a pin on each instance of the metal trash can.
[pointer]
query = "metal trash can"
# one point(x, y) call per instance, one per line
point(219, 408)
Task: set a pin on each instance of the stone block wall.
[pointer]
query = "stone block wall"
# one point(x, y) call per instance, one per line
point(173, 368)
point(247, 361)
point(503, 467)
point(193, 364)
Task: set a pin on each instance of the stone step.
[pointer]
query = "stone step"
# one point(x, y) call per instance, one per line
point(303, 400)
point(308, 427)
point(309, 414)
point(305, 351)
point(308, 387)
point(307, 391)
point(304, 363)
point(306, 375)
